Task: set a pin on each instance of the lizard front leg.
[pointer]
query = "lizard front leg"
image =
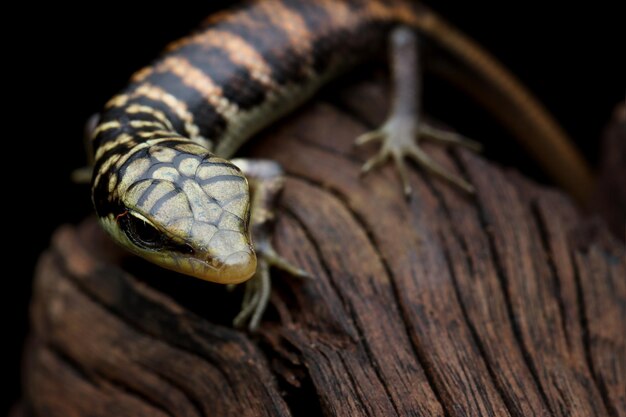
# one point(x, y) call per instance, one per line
point(266, 181)
point(403, 128)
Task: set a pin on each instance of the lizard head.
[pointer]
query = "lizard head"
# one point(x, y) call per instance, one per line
point(179, 207)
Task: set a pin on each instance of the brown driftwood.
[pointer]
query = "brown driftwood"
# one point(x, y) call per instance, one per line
point(446, 305)
point(609, 199)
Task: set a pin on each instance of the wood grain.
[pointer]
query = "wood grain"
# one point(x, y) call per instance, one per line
point(609, 198)
point(446, 305)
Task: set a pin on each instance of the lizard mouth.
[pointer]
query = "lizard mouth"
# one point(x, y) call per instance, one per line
point(236, 268)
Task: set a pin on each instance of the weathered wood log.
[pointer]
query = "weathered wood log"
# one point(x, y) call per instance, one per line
point(446, 305)
point(609, 199)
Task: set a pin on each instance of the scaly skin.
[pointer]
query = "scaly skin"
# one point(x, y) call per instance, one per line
point(163, 186)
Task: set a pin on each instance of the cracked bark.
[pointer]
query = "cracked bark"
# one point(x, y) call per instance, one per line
point(442, 306)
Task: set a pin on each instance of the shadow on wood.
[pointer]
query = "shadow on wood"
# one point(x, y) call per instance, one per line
point(609, 200)
point(446, 305)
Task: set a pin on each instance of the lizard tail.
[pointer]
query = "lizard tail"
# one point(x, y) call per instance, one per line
point(513, 104)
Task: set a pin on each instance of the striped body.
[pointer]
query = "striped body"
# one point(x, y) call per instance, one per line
point(246, 67)
point(159, 145)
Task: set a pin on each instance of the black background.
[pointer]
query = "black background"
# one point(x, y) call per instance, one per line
point(66, 62)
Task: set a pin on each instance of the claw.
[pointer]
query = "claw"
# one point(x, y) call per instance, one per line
point(399, 136)
point(404, 174)
point(449, 138)
point(257, 291)
point(374, 162)
point(275, 260)
point(424, 160)
point(250, 303)
point(255, 298)
point(400, 133)
point(266, 181)
point(369, 137)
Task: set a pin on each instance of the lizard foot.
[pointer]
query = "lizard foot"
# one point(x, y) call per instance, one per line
point(257, 290)
point(399, 137)
point(266, 181)
point(401, 132)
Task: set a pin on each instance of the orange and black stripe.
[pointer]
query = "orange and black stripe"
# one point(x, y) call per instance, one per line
point(162, 186)
point(229, 79)
point(247, 66)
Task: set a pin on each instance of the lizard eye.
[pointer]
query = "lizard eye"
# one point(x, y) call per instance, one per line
point(141, 232)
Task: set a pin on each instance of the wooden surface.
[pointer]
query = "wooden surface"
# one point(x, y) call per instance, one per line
point(609, 200)
point(495, 305)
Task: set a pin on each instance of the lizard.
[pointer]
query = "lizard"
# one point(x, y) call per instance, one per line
point(165, 184)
